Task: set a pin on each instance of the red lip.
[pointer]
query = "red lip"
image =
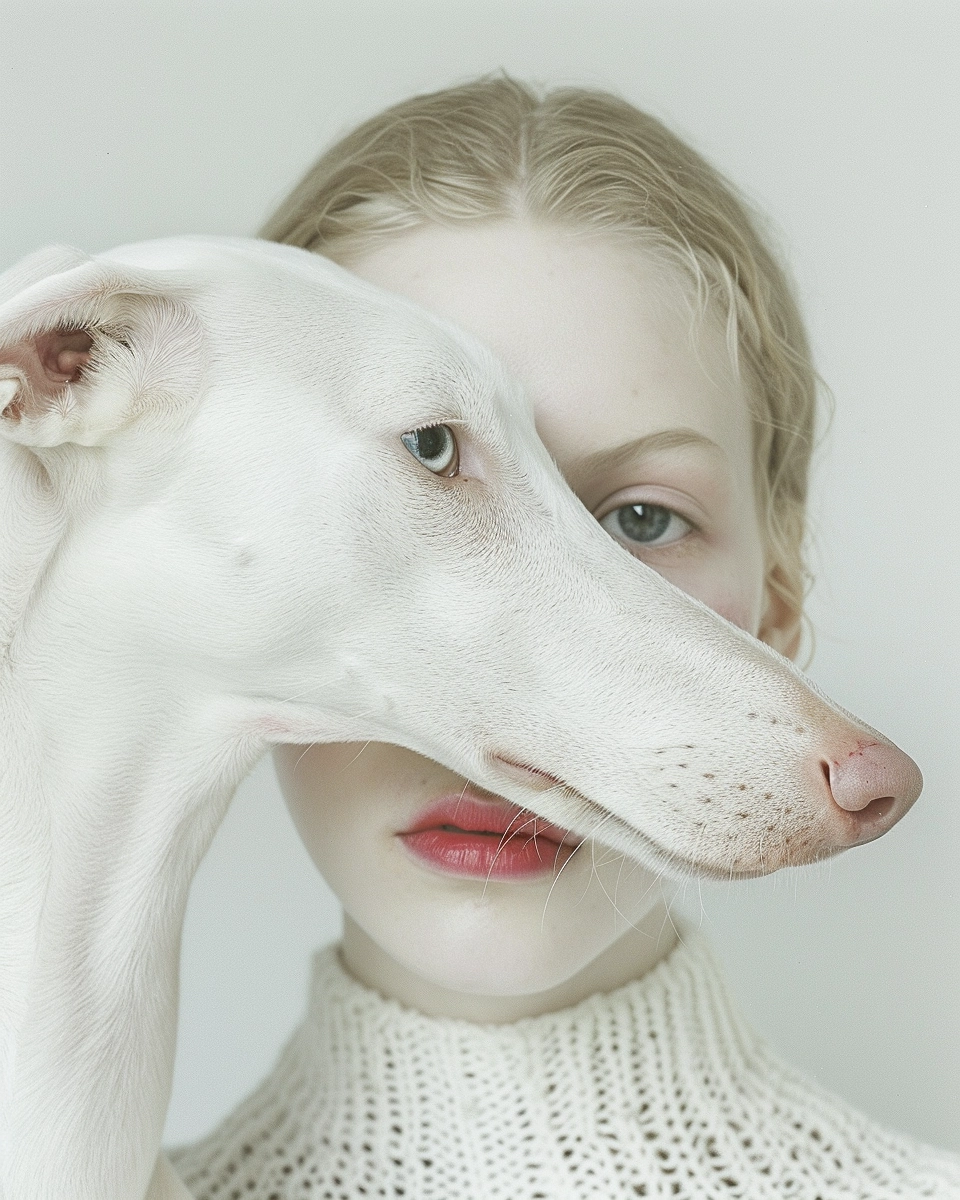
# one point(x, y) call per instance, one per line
point(467, 834)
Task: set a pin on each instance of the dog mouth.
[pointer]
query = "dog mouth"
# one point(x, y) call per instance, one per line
point(628, 839)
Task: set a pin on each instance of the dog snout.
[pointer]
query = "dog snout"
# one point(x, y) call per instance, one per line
point(874, 784)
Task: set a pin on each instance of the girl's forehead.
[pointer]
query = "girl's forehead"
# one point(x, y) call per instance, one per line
point(607, 339)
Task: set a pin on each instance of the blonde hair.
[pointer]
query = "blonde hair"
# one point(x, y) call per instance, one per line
point(587, 160)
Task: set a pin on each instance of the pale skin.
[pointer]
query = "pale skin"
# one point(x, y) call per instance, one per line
point(613, 357)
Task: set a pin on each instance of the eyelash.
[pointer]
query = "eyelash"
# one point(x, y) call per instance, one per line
point(613, 524)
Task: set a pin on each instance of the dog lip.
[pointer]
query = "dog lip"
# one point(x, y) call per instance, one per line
point(473, 813)
point(532, 776)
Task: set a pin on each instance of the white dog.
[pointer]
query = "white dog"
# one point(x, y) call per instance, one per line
point(249, 499)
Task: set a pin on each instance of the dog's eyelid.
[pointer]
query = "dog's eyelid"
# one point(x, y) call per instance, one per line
point(457, 423)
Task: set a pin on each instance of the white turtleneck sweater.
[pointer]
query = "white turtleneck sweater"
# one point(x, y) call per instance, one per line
point(656, 1090)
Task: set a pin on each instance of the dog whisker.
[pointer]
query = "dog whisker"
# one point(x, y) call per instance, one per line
point(612, 899)
point(505, 838)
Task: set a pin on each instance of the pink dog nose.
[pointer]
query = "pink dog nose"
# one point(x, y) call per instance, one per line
point(876, 784)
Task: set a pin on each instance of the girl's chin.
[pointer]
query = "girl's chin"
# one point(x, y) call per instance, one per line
point(508, 954)
point(495, 973)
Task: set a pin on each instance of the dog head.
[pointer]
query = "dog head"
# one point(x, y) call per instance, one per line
point(241, 455)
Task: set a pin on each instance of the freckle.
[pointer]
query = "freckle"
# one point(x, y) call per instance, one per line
point(743, 815)
point(674, 785)
point(741, 787)
point(800, 729)
point(768, 795)
point(709, 775)
point(773, 720)
point(771, 828)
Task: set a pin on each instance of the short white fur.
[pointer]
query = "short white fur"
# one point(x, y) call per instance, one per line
point(213, 540)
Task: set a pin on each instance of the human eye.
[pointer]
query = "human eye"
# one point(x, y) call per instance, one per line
point(651, 525)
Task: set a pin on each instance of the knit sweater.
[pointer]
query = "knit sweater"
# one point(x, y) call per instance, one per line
point(657, 1089)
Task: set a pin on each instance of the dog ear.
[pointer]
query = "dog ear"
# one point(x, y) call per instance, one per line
point(39, 265)
point(80, 346)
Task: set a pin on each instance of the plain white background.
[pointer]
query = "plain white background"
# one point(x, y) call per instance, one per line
point(122, 122)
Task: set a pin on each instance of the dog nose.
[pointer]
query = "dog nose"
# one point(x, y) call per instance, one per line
point(876, 784)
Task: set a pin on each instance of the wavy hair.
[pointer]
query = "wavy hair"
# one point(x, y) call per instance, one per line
point(587, 160)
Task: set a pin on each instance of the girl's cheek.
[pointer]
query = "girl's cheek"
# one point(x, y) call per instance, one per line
point(738, 614)
point(736, 599)
point(735, 608)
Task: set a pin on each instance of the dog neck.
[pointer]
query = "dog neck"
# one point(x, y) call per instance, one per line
point(91, 910)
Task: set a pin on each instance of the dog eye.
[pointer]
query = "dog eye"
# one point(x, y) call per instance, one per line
point(435, 447)
point(648, 524)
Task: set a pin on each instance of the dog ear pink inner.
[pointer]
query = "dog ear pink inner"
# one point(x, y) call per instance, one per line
point(64, 353)
point(47, 361)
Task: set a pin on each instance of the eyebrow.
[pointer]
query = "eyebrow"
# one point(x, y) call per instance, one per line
point(605, 461)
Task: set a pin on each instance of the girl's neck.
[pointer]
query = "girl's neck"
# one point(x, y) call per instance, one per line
point(628, 958)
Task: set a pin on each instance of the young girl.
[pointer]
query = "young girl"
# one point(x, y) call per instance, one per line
point(511, 1012)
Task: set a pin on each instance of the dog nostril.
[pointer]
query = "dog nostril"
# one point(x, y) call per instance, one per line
point(879, 809)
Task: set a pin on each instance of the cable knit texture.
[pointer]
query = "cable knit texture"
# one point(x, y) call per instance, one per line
point(656, 1089)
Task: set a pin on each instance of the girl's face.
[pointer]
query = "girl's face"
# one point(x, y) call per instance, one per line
point(610, 352)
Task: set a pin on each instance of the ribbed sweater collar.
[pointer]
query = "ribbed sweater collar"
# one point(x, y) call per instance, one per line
point(655, 1089)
